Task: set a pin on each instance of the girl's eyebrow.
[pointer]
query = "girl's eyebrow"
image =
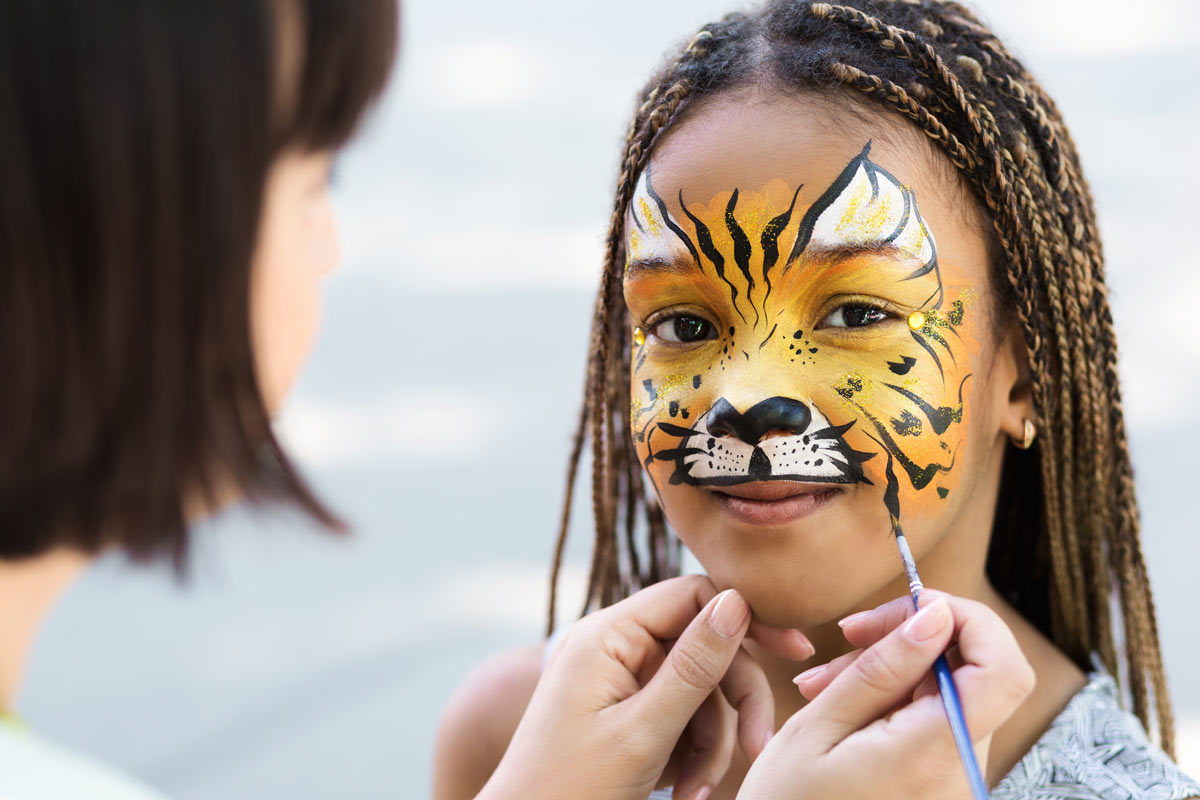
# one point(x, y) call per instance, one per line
point(655, 264)
point(835, 254)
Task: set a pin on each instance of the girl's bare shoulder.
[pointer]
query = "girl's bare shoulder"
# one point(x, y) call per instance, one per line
point(480, 718)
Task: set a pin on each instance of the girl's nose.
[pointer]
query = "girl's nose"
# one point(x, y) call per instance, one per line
point(772, 416)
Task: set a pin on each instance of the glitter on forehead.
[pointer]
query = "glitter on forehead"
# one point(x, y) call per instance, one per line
point(635, 246)
point(866, 219)
point(653, 225)
point(873, 208)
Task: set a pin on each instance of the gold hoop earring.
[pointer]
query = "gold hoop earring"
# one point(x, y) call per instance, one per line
point(1030, 434)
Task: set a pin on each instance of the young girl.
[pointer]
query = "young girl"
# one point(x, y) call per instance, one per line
point(854, 292)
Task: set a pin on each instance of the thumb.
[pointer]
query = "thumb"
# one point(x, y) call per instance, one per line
point(696, 664)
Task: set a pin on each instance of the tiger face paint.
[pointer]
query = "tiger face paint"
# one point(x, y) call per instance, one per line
point(802, 365)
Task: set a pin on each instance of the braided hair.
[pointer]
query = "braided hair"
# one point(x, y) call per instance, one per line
point(1066, 532)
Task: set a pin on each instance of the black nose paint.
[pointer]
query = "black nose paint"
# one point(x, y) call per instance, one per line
point(770, 414)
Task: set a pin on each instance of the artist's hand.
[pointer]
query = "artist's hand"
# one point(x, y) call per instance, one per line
point(609, 715)
point(875, 726)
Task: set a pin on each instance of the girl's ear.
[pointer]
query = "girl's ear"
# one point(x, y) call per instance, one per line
point(1017, 408)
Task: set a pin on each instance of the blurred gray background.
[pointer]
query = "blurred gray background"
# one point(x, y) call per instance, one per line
point(436, 411)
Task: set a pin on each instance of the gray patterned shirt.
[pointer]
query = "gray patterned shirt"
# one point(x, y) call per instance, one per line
point(1095, 751)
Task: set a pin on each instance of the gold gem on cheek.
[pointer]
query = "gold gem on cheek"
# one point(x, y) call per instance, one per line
point(639, 337)
point(916, 320)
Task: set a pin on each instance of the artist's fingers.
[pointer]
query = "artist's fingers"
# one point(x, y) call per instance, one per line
point(695, 664)
point(711, 732)
point(746, 689)
point(880, 678)
point(812, 682)
point(787, 643)
point(632, 631)
point(995, 677)
point(868, 627)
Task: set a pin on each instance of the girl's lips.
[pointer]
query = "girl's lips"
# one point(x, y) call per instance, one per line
point(773, 502)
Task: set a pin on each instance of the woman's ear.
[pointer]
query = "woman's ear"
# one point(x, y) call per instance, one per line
point(1016, 410)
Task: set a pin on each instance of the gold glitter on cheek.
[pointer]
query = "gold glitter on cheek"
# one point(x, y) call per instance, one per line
point(854, 388)
point(639, 337)
point(635, 244)
point(968, 295)
point(635, 411)
point(670, 387)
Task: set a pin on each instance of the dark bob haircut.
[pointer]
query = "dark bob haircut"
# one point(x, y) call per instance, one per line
point(135, 142)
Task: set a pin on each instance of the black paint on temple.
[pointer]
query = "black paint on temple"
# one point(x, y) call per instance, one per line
point(929, 350)
point(937, 337)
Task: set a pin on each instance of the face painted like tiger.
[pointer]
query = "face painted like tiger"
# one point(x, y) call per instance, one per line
point(779, 341)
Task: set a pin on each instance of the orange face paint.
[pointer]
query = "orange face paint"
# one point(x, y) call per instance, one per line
point(796, 336)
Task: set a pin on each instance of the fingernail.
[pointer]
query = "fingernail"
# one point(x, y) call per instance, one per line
point(929, 621)
point(728, 616)
point(853, 618)
point(702, 793)
point(766, 740)
point(808, 675)
point(809, 650)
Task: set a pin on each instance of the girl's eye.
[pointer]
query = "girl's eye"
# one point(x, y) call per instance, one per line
point(684, 329)
point(852, 316)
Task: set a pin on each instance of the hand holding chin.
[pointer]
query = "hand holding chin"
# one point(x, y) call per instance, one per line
point(653, 689)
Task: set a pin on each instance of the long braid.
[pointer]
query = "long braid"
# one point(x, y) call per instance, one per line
point(660, 103)
point(1067, 529)
point(1058, 463)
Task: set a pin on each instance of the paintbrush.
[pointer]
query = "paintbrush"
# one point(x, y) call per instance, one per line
point(945, 681)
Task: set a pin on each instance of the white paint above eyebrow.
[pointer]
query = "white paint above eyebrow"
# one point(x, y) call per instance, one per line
point(873, 209)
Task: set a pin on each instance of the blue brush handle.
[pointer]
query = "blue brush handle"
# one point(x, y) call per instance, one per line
point(958, 726)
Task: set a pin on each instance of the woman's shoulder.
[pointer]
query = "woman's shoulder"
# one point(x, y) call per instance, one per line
point(1094, 748)
point(480, 718)
point(37, 769)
